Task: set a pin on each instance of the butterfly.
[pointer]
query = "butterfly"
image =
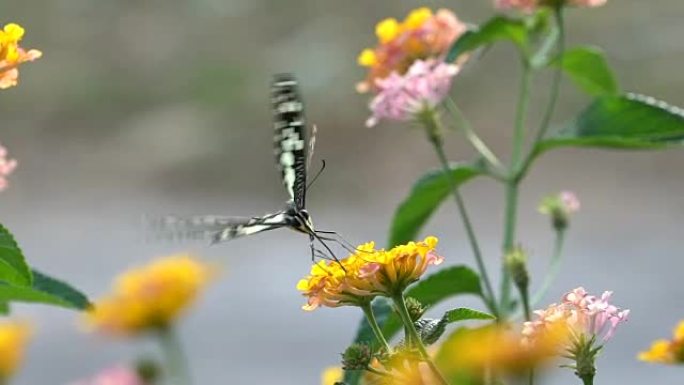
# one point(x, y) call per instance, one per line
point(293, 154)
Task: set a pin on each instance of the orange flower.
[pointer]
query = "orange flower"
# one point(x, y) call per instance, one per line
point(12, 55)
point(421, 35)
point(150, 297)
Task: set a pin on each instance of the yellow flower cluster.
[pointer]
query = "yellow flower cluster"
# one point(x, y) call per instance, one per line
point(421, 35)
point(367, 273)
point(332, 375)
point(667, 351)
point(12, 55)
point(150, 297)
point(13, 338)
point(498, 347)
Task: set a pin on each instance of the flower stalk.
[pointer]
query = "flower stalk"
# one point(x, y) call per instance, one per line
point(370, 317)
point(430, 121)
point(176, 361)
point(400, 304)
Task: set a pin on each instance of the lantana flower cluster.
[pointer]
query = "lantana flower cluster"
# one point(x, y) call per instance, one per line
point(529, 6)
point(14, 336)
point(367, 273)
point(591, 317)
point(117, 375)
point(12, 55)
point(406, 70)
point(151, 297)
point(667, 351)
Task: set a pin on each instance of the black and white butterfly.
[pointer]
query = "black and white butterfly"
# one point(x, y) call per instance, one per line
point(293, 154)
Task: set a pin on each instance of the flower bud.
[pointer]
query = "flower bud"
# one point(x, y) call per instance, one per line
point(516, 263)
point(148, 370)
point(415, 308)
point(356, 357)
point(559, 208)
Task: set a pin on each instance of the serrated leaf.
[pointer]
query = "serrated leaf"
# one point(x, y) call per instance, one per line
point(621, 122)
point(429, 291)
point(589, 69)
point(46, 290)
point(499, 28)
point(13, 266)
point(425, 197)
point(465, 314)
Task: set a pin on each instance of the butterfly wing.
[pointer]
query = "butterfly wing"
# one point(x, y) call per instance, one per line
point(218, 228)
point(290, 136)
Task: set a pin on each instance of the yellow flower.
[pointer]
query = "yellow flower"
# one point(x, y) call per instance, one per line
point(417, 17)
point(367, 58)
point(151, 296)
point(13, 338)
point(468, 351)
point(387, 30)
point(332, 375)
point(12, 55)
point(367, 273)
point(666, 351)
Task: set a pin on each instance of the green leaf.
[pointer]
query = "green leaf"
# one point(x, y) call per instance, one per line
point(427, 194)
point(446, 283)
point(13, 266)
point(589, 69)
point(496, 29)
point(465, 314)
point(46, 290)
point(621, 122)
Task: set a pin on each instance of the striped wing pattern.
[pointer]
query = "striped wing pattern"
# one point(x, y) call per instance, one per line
point(218, 228)
point(290, 136)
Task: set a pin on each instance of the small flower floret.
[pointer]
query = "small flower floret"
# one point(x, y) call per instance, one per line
point(12, 55)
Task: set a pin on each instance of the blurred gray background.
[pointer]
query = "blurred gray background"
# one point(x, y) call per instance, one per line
point(155, 107)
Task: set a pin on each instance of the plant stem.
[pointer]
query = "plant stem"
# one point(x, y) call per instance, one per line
point(433, 129)
point(588, 380)
point(474, 139)
point(513, 182)
point(400, 304)
point(176, 361)
point(554, 268)
point(370, 317)
point(555, 91)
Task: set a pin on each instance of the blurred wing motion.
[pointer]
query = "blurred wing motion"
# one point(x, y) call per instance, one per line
point(218, 228)
point(290, 137)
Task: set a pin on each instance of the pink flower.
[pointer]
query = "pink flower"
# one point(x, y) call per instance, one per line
point(7, 166)
point(582, 313)
point(570, 202)
point(118, 375)
point(402, 97)
point(529, 6)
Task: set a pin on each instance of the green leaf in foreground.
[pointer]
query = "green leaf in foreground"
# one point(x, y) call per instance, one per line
point(589, 69)
point(621, 122)
point(496, 29)
point(432, 329)
point(465, 314)
point(425, 197)
point(13, 266)
point(45, 290)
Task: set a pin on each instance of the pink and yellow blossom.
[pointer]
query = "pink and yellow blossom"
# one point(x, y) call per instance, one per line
point(404, 97)
point(529, 6)
point(583, 314)
point(422, 35)
point(12, 55)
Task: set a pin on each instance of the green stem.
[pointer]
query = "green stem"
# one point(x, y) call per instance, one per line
point(432, 126)
point(513, 182)
point(588, 380)
point(554, 268)
point(555, 92)
point(400, 304)
point(176, 361)
point(474, 139)
point(370, 317)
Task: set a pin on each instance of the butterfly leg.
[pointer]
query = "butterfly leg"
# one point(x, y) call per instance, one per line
point(337, 238)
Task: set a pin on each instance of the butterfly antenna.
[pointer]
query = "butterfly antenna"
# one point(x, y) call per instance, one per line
point(320, 171)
